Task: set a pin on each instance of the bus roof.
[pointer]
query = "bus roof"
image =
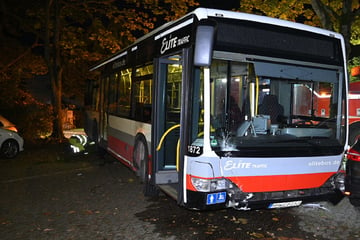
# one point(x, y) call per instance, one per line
point(204, 13)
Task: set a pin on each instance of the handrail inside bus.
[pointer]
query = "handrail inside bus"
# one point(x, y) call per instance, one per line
point(177, 146)
point(164, 135)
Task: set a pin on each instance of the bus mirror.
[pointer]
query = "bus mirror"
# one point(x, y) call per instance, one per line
point(204, 42)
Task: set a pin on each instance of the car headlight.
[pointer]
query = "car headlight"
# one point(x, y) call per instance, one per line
point(209, 185)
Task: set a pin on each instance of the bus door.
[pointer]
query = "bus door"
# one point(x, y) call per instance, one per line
point(166, 123)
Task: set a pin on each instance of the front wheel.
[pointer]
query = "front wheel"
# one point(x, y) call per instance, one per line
point(141, 163)
point(9, 149)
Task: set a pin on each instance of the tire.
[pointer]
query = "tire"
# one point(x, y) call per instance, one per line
point(141, 163)
point(9, 149)
point(140, 158)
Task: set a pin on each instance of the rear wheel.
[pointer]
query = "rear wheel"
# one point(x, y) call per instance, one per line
point(9, 149)
point(141, 163)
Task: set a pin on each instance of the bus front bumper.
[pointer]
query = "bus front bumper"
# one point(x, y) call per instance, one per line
point(235, 198)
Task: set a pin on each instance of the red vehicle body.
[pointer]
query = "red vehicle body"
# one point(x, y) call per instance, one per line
point(354, 112)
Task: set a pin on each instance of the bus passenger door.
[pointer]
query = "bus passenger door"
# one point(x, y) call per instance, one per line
point(166, 123)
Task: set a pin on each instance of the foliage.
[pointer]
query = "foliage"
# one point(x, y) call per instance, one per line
point(88, 31)
point(354, 62)
point(338, 15)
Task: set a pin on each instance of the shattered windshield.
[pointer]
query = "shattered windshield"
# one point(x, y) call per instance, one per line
point(259, 108)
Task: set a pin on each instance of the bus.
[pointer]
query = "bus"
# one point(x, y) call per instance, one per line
point(218, 110)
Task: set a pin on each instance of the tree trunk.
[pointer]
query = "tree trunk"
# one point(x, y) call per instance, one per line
point(345, 20)
point(52, 58)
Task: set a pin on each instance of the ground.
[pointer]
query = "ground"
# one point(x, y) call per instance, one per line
point(49, 193)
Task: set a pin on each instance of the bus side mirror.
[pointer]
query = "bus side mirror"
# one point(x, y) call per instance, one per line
point(205, 37)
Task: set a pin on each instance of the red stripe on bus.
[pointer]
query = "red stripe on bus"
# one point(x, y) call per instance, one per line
point(275, 182)
point(281, 182)
point(121, 148)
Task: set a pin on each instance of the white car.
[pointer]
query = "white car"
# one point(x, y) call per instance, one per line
point(10, 143)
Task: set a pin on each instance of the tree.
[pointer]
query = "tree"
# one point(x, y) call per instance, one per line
point(342, 16)
point(72, 35)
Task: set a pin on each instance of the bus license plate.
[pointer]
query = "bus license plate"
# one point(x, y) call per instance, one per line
point(285, 204)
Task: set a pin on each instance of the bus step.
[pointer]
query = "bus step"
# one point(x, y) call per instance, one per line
point(170, 189)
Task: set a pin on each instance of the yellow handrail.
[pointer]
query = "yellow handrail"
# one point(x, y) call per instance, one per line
point(177, 146)
point(177, 154)
point(164, 135)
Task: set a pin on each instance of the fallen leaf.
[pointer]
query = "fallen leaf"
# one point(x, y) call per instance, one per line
point(243, 221)
point(257, 235)
point(88, 212)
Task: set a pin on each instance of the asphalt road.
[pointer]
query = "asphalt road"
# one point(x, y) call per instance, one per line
point(46, 193)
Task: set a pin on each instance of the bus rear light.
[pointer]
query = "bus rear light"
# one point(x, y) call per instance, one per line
point(353, 155)
point(209, 185)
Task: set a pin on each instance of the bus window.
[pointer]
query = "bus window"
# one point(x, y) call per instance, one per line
point(124, 93)
point(312, 99)
point(267, 103)
point(142, 97)
point(112, 95)
point(228, 94)
point(144, 71)
point(174, 87)
point(143, 93)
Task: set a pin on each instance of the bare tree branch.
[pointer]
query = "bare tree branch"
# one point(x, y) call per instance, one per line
point(28, 51)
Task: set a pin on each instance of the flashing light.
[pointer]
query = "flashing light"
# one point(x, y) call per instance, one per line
point(347, 193)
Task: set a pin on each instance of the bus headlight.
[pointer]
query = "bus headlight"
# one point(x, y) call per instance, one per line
point(209, 185)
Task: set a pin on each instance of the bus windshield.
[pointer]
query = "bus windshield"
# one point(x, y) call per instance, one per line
point(263, 108)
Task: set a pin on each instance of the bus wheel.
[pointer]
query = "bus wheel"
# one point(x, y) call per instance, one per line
point(141, 163)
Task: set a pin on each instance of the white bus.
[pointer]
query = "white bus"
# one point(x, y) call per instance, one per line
point(210, 109)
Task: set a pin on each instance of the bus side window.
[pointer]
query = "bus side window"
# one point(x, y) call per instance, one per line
point(142, 98)
point(124, 93)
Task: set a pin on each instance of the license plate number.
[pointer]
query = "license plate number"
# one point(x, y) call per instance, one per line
point(285, 204)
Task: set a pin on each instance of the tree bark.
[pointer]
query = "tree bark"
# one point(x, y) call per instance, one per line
point(324, 14)
point(344, 20)
point(52, 58)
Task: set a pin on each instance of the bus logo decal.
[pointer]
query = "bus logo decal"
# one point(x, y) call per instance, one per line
point(231, 164)
point(173, 42)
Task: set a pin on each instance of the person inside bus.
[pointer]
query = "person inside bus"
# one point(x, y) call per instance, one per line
point(270, 106)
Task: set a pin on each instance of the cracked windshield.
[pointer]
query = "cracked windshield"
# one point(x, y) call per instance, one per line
point(261, 107)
